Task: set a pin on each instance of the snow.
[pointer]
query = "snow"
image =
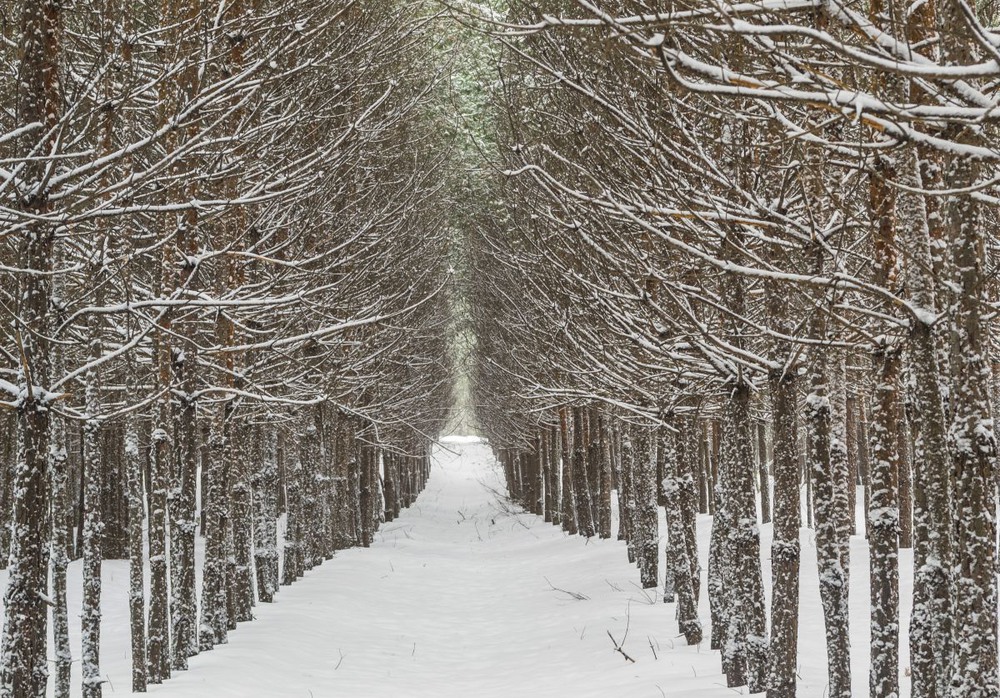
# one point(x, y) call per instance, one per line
point(466, 595)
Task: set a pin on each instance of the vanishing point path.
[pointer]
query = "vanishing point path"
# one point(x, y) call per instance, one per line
point(461, 596)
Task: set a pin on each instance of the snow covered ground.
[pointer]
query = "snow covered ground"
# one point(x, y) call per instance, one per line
point(463, 596)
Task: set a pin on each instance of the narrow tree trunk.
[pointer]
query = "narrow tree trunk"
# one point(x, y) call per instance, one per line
point(688, 457)
point(905, 448)
point(93, 525)
point(673, 536)
point(136, 518)
point(568, 515)
point(762, 474)
point(23, 660)
point(883, 526)
point(158, 646)
point(785, 547)
point(864, 461)
point(829, 478)
point(646, 517)
point(706, 496)
point(59, 478)
point(931, 627)
point(883, 512)
point(931, 621)
point(593, 427)
point(851, 418)
point(627, 500)
point(679, 565)
point(241, 566)
point(92, 558)
point(215, 505)
point(366, 494)
point(715, 447)
point(552, 454)
point(265, 517)
point(291, 569)
point(60, 559)
point(604, 506)
point(717, 588)
point(581, 482)
point(972, 436)
point(747, 633)
point(538, 496)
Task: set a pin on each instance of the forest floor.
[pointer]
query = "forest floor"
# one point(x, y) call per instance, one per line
point(465, 596)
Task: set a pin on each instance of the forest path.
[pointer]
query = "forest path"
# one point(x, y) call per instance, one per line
point(454, 599)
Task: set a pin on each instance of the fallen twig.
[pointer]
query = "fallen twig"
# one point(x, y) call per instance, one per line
point(575, 594)
point(618, 648)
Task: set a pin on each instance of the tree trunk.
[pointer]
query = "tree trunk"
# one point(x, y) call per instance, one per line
point(679, 564)
point(265, 517)
point(747, 632)
point(717, 588)
point(215, 506)
point(627, 499)
point(136, 519)
point(972, 437)
point(931, 628)
point(604, 506)
point(706, 496)
point(158, 645)
point(61, 533)
point(568, 515)
point(241, 568)
point(864, 461)
point(23, 660)
point(829, 496)
point(851, 419)
point(292, 567)
point(93, 525)
point(581, 481)
point(785, 548)
point(762, 474)
point(883, 525)
point(646, 516)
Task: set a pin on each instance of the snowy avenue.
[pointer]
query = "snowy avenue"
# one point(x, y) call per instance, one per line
point(465, 595)
point(453, 600)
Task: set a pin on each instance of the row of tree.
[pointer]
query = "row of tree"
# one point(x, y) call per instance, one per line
point(710, 218)
point(223, 249)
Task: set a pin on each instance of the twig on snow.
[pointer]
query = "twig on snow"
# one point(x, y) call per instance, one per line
point(618, 648)
point(574, 594)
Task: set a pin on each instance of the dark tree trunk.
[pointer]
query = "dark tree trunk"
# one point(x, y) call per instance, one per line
point(23, 660)
point(679, 563)
point(646, 517)
point(763, 477)
point(581, 482)
point(568, 515)
point(604, 505)
point(265, 517)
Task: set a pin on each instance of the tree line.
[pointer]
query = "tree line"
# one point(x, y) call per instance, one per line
point(742, 250)
point(222, 277)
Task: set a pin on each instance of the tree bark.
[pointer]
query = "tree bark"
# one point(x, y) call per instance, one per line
point(581, 482)
point(678, 560)
point(265, 517)
point(214, 623)
point(763, 476)
point(136, 519)
point(829, 474)
point(646, 517)
point(568, 515)
point(23, 660)
point(746, 636)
